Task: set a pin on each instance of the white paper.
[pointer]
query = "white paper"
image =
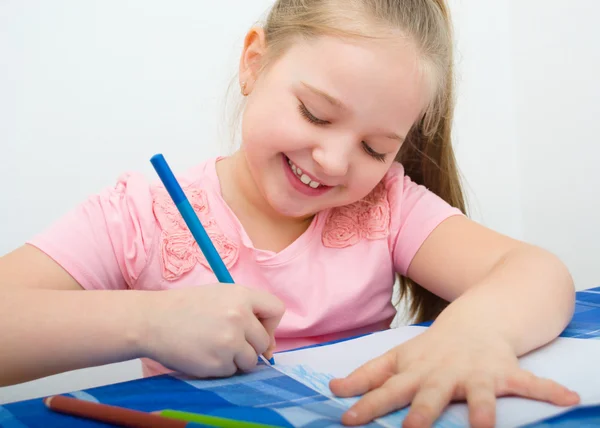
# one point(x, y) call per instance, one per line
point(574, 363)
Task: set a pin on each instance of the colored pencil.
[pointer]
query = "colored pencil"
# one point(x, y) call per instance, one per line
point(216, 421)
point(191, 219)
point(112, 414)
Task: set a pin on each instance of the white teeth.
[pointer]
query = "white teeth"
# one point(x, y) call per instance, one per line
point(303, 177)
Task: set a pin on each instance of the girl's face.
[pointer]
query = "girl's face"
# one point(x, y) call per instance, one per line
point(323, 124)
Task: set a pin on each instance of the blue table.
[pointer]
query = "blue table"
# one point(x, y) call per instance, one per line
point(265, 394)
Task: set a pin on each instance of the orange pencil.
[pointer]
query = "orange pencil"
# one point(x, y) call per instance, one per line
point(111, 414)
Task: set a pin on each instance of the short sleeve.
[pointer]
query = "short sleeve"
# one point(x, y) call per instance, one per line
point(415, 212)
point(104, 242)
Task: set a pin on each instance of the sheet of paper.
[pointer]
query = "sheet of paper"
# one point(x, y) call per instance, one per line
point(574, 363)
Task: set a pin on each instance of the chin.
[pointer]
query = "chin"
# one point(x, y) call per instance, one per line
point(283, 207)
point(293, 212)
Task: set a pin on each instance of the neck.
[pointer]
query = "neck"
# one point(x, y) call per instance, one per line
point(240, 192)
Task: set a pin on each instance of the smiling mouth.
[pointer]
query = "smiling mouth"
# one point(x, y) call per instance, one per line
point(305, 179)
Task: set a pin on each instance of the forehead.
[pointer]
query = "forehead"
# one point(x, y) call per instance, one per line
point(377, 77)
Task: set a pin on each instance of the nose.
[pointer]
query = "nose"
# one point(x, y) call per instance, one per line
point(333, 158)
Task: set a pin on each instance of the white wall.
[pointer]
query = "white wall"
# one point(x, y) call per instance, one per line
point(89, 89)
point(556, 60)
point(484, 128)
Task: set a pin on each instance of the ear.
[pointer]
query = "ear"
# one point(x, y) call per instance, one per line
point(251, 60)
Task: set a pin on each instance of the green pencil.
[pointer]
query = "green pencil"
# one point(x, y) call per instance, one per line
point(215, 421)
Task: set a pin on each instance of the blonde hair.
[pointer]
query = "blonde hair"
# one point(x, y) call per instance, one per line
point(427, 154)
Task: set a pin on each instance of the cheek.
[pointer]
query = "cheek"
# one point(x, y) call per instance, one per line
point(366, 178)
point(273, 127)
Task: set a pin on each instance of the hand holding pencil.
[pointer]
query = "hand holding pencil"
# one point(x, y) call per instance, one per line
point(210, 330)
point(232, 324)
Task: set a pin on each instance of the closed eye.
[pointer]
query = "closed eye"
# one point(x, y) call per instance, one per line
point(375, 155)
point(309, 116)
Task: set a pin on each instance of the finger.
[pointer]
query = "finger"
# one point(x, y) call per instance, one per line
point(245, 359)
point(272, 346)
point(395, 393)
point(267, 308)
point(481, 399)
point(226, 370)
point(367, 377)
point(528, 385)
point(431, 400)
point(257, 336)
point(216, 367)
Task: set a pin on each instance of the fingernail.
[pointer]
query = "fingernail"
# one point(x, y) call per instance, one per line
point(483, 415)
point(416, 419)
point(351, 414)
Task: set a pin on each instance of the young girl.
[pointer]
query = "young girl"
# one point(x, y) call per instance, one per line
point(345, 178)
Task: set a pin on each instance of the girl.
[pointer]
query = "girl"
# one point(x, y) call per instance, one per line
point(344, 179)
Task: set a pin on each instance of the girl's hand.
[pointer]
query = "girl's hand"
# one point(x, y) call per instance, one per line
point(437, 367)
point(211, 330)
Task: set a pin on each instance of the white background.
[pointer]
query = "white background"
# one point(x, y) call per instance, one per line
point(90, 89)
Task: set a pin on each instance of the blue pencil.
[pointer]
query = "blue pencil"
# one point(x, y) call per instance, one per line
point(191, 219)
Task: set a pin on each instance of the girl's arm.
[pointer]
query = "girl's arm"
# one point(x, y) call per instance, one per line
point(495, 283)
point(507, 298)
point(49, 326)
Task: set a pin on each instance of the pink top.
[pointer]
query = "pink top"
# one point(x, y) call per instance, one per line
point(336, 279)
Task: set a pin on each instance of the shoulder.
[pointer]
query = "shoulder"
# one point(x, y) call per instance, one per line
point(383, 212)
point(398, 185)
point(140, 208)
point(366, 219)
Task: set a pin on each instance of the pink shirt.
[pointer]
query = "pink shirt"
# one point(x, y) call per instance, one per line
point(336, 279)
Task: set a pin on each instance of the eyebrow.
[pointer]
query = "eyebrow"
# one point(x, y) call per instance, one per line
point(333, 101)
point(337, 103)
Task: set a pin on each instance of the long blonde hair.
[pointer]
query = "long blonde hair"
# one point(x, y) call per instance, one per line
point(427, 154)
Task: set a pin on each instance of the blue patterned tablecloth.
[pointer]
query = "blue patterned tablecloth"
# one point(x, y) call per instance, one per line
point(264, 395)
